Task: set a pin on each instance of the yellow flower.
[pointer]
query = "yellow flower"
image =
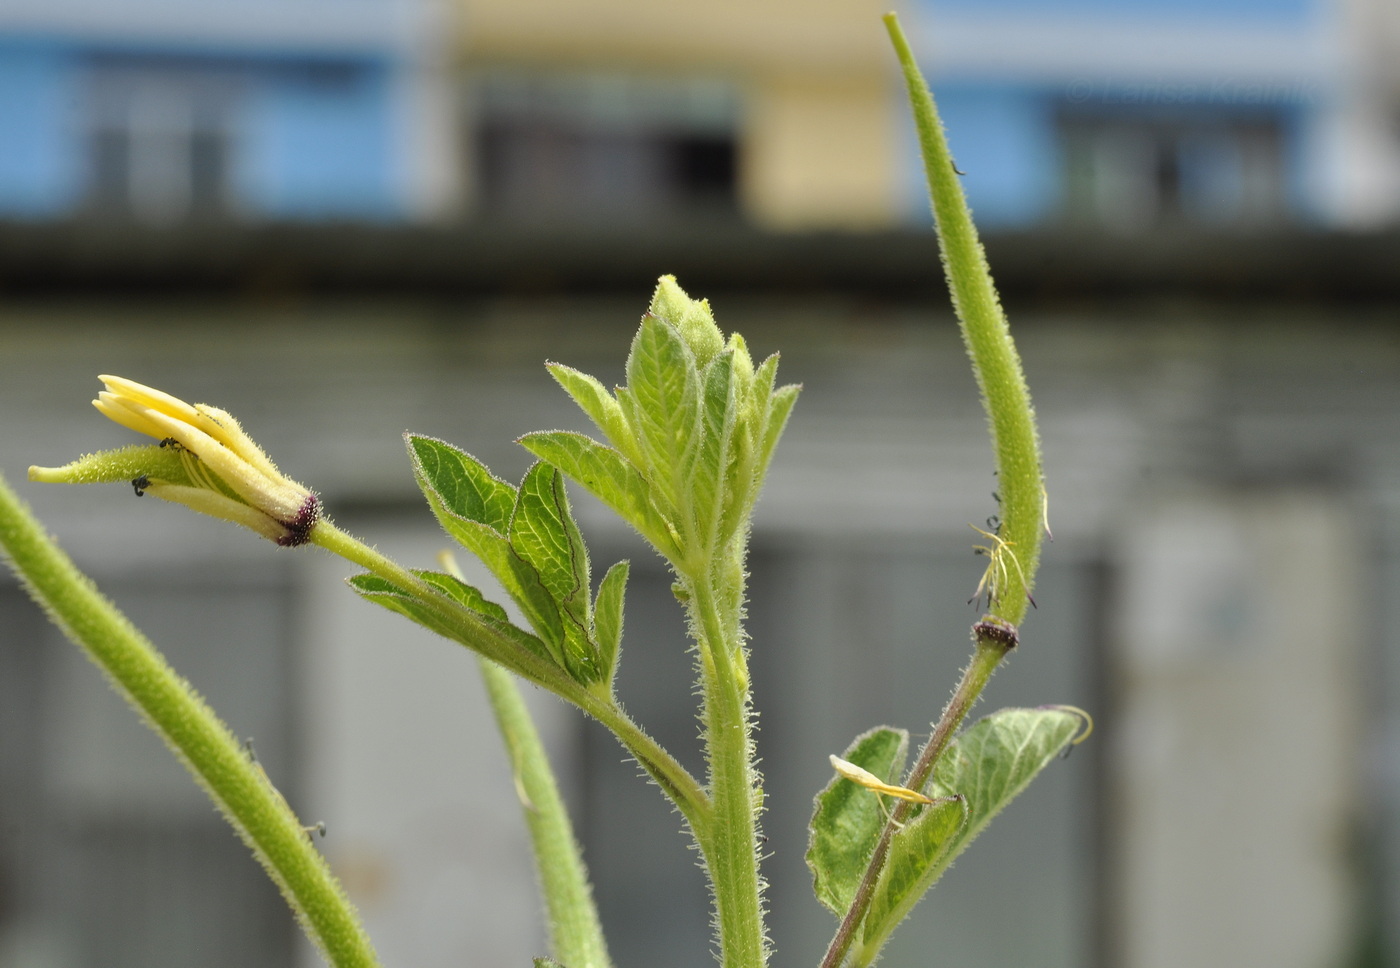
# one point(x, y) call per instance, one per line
point(225, 474)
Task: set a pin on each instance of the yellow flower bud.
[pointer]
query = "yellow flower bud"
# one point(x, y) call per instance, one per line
point(228, 476)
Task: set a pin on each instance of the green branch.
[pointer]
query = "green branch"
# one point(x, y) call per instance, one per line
point(207, 748)
point(1013, 550)
point(985, 659)
point(731, 846)
point(575, 931)
point(995, 361)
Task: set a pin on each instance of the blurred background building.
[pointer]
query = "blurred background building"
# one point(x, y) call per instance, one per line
point(161, 113)
point(343, 220)
point(1125, 116)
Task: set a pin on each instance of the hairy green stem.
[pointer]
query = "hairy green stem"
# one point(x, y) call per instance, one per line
point(675, 781)
point(575, 930)
point(731, 847)
point(345, 545)
point(995, 361)
point(1014, 550)
point(987, 656)
point(576, 933)
point(208, 749)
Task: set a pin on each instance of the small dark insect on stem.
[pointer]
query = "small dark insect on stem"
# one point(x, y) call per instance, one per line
point(956, 169)
point(139, 485)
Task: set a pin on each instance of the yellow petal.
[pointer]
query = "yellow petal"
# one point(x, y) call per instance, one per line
point(275, 496)
point(132, 416)
point(218, 457)
point(149, 397)
point(216, 505)
point(872, 782)
point(221, 425)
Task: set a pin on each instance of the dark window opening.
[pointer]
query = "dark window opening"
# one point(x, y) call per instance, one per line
point(161, 142)
point(1134, 173)
point(571, 150)
point(706, 169)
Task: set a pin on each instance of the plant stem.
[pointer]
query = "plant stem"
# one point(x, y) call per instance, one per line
point(989, 652)
point(995, 361)
point(208, 749)
point(352, 549)
point(675, 781)
point(1016, 545)
point(731, 847)
point(576, 933)
point(575, 930)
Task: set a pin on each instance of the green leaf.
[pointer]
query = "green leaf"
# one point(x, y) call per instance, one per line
point(692, 318)
point(739, 481)
point(464, 485)
point(987, 766)
point(594, 399)
point(411, 605)
point(919, 853)
point(546, 539)
point(778, 412)
point(743, 366)
point(607, 617)
point(765, 378)
point(605, 474)
point(745, 470)
point(547, 963)
point(664, 390)
point(519, 578)
point(709, 484)
point(760, 402)
point(848, 818)
point(463, 594)
point(467, 500)
point(991, 762)
point(542, 531)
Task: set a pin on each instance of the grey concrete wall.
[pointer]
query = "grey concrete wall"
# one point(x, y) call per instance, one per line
point(862, 569)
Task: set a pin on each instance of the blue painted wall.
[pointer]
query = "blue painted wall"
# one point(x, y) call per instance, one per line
point(1003, 137)
point(1272, 11)
point(319, 144)
point(314, 136)
point(41, 166)
point(1004, 130)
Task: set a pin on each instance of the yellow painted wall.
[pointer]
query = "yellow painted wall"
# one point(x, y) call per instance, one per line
point(817, 141)
point(817, 151)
